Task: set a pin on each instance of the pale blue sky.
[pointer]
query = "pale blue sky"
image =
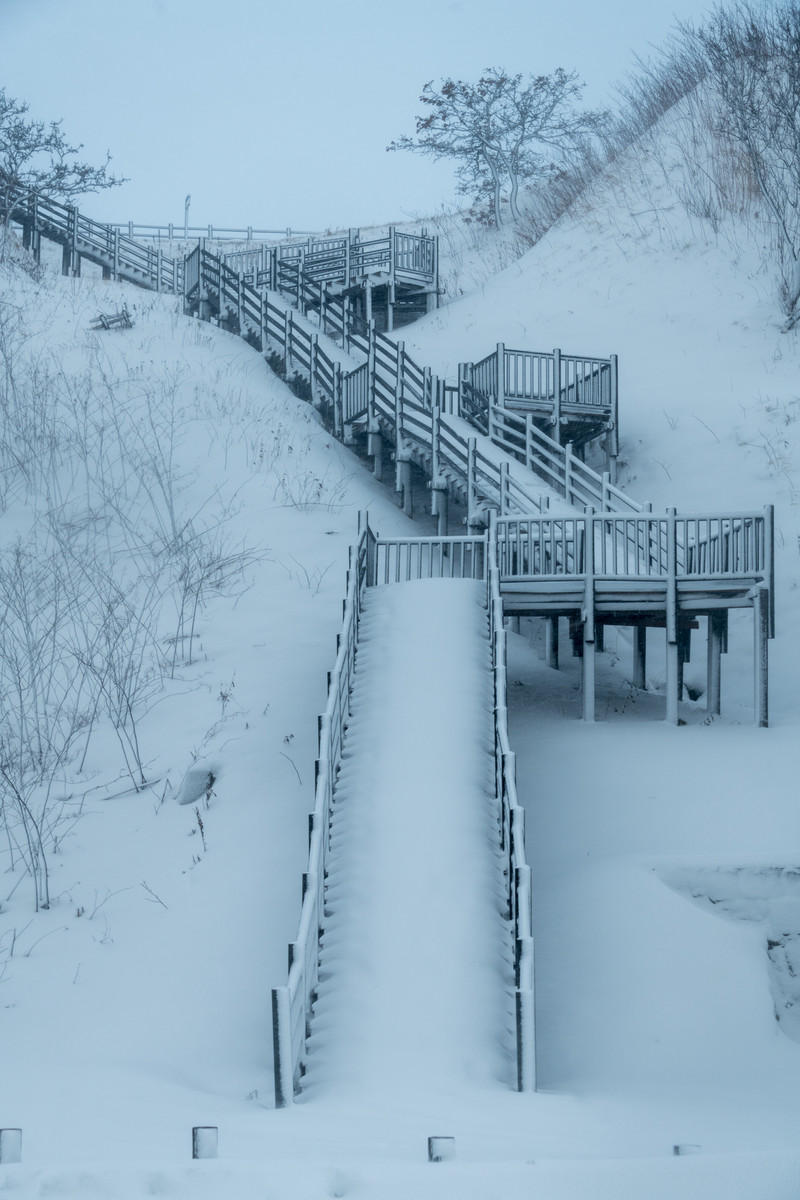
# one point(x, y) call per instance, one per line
point(273, 114)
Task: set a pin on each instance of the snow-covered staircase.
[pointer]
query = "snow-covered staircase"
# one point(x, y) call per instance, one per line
point(412, 976)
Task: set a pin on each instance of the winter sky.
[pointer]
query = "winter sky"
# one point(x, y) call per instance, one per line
point(276, 113)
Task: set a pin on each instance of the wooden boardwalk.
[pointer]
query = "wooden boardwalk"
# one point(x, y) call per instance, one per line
point(509, 425)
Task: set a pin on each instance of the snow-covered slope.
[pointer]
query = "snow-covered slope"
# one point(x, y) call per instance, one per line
point(137, 1005)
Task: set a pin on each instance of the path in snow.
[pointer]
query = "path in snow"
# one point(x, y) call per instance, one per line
point(413, 993)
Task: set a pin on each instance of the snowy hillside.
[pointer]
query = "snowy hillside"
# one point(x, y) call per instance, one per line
point(137, 1005)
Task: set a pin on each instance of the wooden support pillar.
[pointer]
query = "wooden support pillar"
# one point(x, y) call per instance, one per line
point(589, 629)
point(761, 656)
point(576, 637)
point(375, 451)
point(673, 648)
point(588, 680)
point(640, 656)
point(551, 642)
point(600, 638)
point(390, 301)
point(440, 501)
point(714, 661)
point(673, 675)
point(404, 463)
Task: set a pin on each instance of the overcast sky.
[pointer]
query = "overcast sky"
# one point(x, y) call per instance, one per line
point(274, 114)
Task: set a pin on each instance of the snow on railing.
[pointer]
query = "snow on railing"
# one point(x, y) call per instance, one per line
point(511, 822)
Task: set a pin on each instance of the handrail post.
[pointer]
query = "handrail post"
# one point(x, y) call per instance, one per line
point(673, 664)
point(557, 394)
point(769, 563)
point(500, 398)
point(613, 433)
point(287, 339)
point(504, 488)
point(568, 473)
point(473, 518)
point(282, 1047)
point(338, 402)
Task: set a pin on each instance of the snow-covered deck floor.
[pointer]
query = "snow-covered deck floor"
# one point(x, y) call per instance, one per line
point(413, 994)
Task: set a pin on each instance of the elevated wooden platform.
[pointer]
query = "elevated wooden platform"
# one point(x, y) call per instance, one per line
point(392, 279)
point(643, 571)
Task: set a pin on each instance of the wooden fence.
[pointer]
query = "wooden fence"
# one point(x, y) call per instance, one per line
point(120, 256)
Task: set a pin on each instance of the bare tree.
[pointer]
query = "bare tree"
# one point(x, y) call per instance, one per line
point(753, 58)
point(36, 156)
point(503, 130)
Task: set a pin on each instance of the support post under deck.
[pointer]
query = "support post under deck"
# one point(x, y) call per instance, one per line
point(714, 661)
point(640, 656)
point(761, 655)
point(440, 501)
point(673, 673)
point(589, 631)
point(551, 642)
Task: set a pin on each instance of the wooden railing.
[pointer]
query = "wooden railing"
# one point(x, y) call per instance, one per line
point(179, 232)
point(389, 389)
point(292, 1003)
point(706, 546)
point(566, 384)
point(121, 255)
point(398, 560)
point(557, 465)
point(298, 268)
point(511, 819)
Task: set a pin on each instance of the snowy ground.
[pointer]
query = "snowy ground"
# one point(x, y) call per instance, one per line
point(137, 1006)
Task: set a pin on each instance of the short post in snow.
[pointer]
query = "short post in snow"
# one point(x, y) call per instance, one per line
point(441, 1149)
point(10, 1146)
point(205, 1141)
